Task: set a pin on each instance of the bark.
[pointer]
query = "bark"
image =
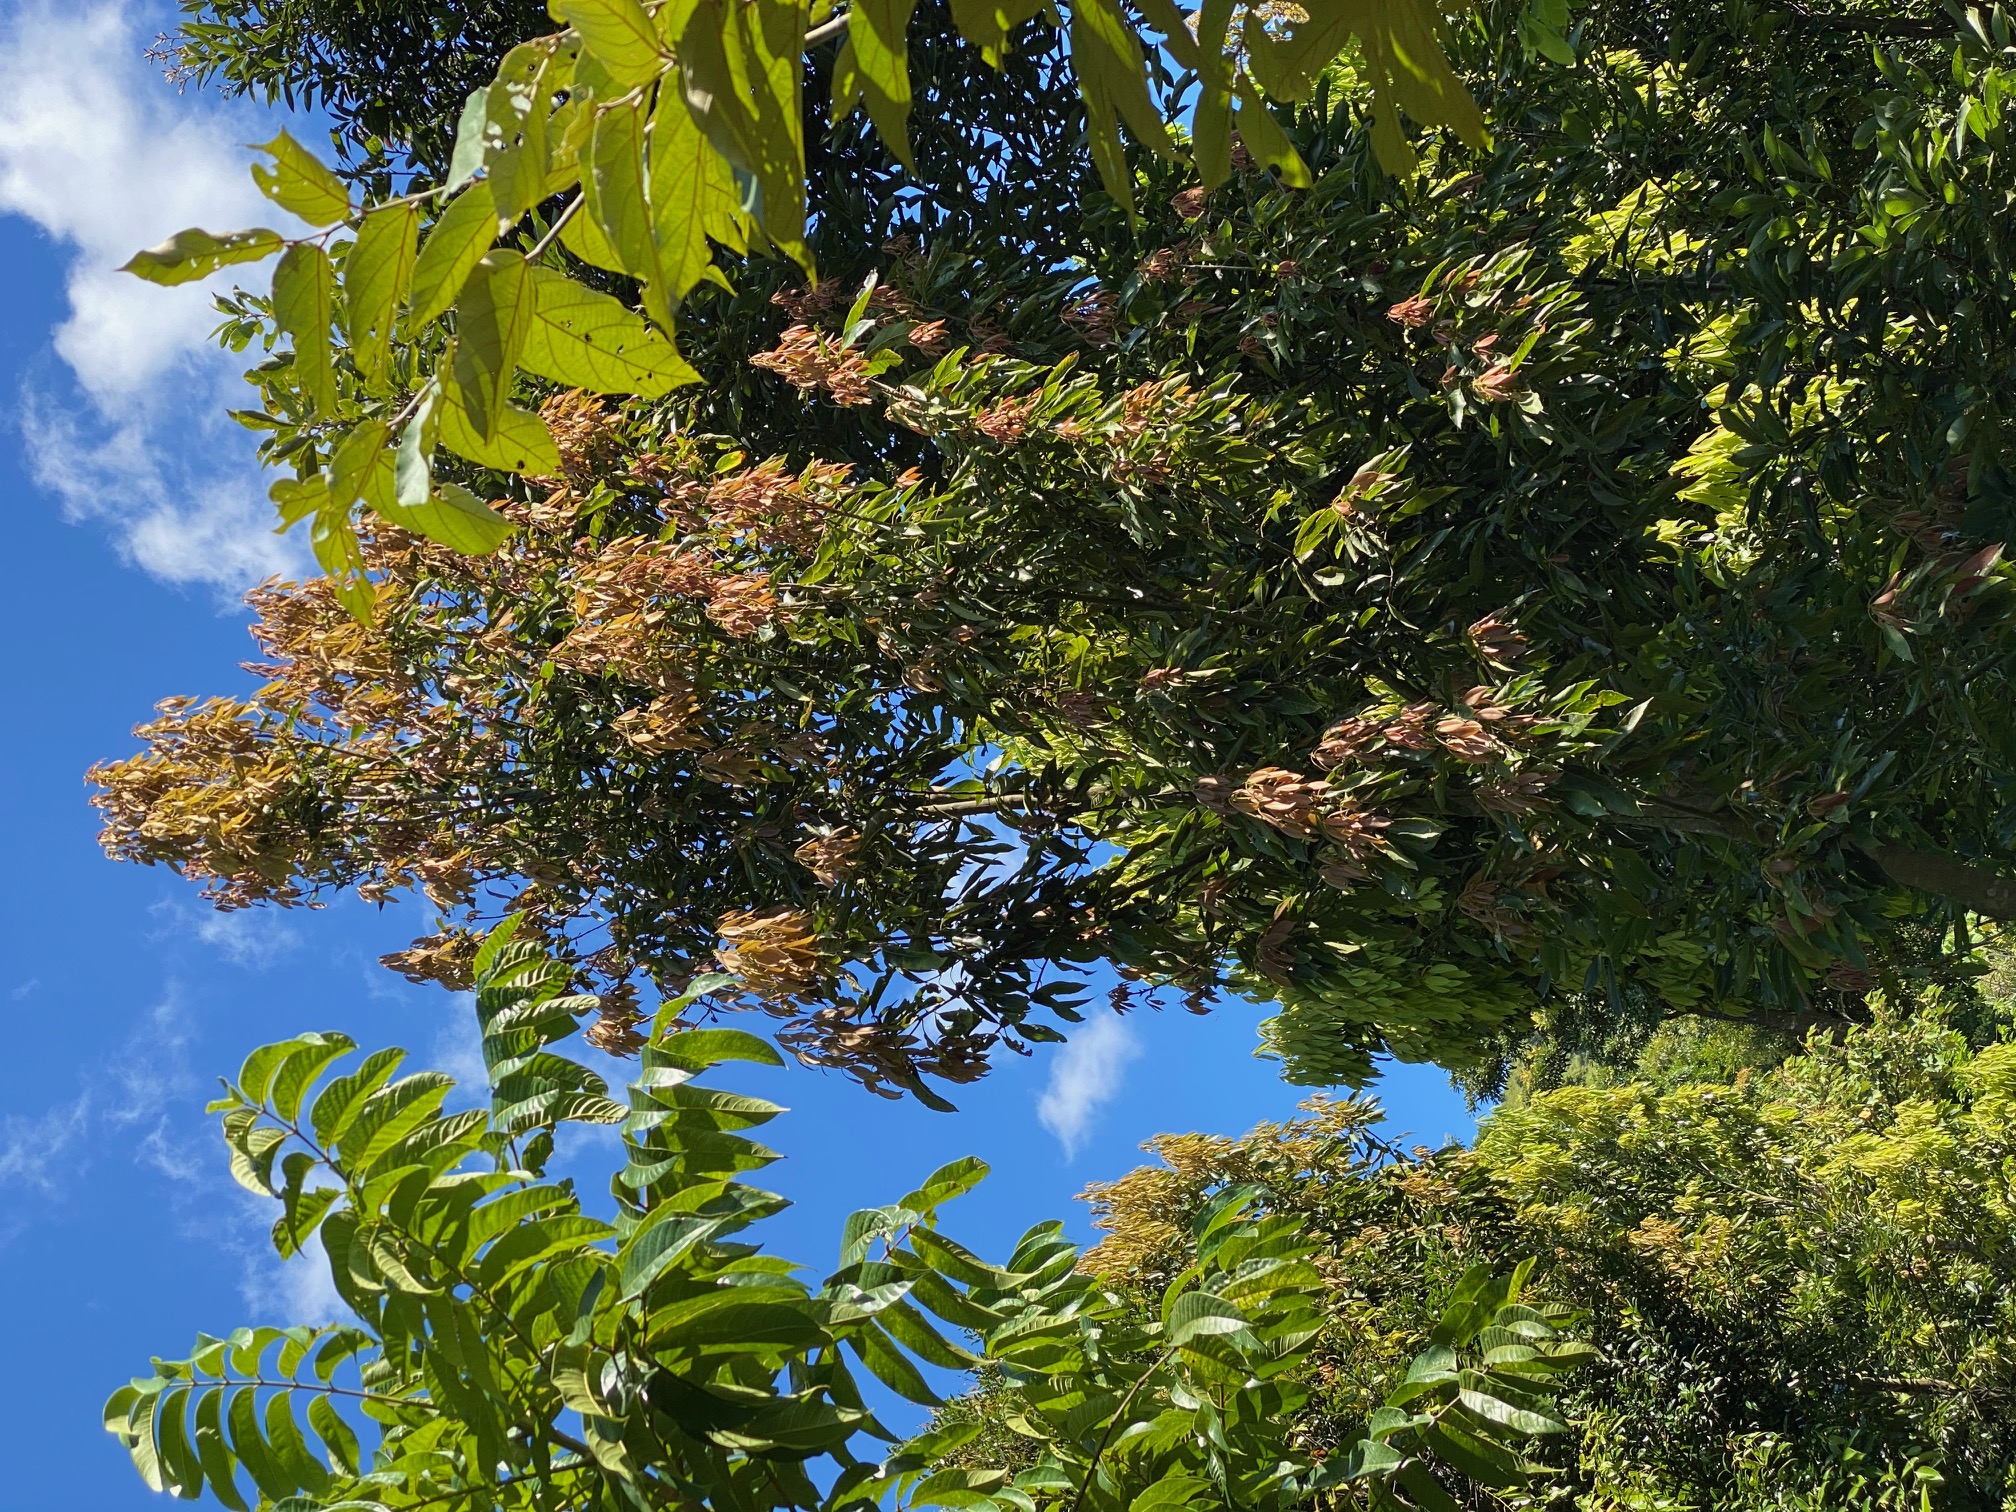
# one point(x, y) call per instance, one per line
point(1975, 887)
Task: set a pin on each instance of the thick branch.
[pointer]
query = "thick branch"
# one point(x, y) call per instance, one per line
point(1900, 27)
point(1973, 887)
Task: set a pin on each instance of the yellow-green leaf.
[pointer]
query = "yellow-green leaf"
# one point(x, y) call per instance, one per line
point(351, 464)
point(299, 183)
point(1103, 42)
point(873, 69)
point(740, 70)
point(304, 306)
point(585, 339)
point(189, 255)
point(613, 182)
point(449, 255)
point(492, 322)
point(519, 441)
point(691, 196)
point(335, 541)
point(618, 33)
point(987, 23)
point(518, 109)
point(455, 518)
point(1265, 139)
point(377, 272)
point(581, 236)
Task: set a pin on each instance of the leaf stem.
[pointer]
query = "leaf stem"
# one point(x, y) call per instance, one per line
point(553, 230)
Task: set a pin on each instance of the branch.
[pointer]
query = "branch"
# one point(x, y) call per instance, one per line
point(1973, 887)
point(827, 30)
point(1900, 27)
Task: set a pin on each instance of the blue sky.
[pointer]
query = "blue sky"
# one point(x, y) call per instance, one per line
point(137, 517)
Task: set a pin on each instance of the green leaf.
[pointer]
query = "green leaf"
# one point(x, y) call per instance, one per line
point(377, 273)
point(1265, 139)
point(310, 1054)
point(413, 467)
point(519, 441)
point(344, 1098)
point(987, 23)
point(219, 1468)
point(619, 33)
point(613, 184)
point(947, 1182)
point(692, 197)
point(189, 255)
point(740, 69)
point(1196, 1314)
point(585, 339)
point(889, 1365)
point(334, 540)
point(471, 133)
point(492, 324)
point(299, 183)
point(873, 69)
point(304, 306)
point(449, 255)
point(455, 518)
point(1178, 1489)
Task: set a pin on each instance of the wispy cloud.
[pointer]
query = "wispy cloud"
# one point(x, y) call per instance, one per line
point(99, 151)
point(1084, 1077)
point(32, 1149)
point(248, 937)
point(284, 1292)
point(148, 1073)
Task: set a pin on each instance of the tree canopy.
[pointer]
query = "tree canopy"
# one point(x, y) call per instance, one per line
point(1796, 1275)
point(1483, 532)
point(1561, 581)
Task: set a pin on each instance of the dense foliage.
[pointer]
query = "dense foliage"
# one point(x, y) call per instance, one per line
point(1561, 582)
point(1801, 1279)
point(509, 1350)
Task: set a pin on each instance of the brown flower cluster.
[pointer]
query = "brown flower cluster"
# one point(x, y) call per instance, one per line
point(1481, 901)
point(809, 360)
point(774, 950)
point(617, 1016)
point(1496, 641)
point(1305, 809)
point(627, 604)
point(1412, 313)
point(1007, 421)
point(1095, 316)
point(668, 723)
point(883, 1056)
point(831, 858)
point(764, 505)
point(448, 958)
point(589, 437)
point(810, 306)
point(215, 797)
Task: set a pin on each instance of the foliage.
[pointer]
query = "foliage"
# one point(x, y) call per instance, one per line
point(511, 1350)
point(391, 75)
point(677, 127)
point(1800, 1280)
point(1427, 603)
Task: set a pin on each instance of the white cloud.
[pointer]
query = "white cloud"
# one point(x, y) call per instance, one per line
point(1084, 1077)
point(31, 1148)
point(286, 1292)
point(99, 151)
point(247, 937)
point(148, 1074)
